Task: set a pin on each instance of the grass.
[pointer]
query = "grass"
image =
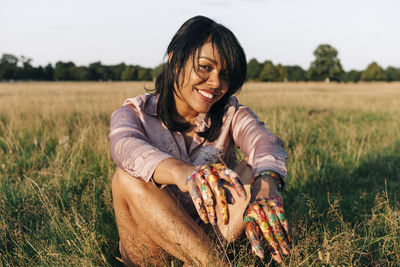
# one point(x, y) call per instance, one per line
point(341, 195)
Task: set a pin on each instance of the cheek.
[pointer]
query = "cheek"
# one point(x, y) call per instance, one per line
point(225, 88)
point(195, 79)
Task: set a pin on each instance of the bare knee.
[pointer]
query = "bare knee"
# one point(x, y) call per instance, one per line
point(123, 183)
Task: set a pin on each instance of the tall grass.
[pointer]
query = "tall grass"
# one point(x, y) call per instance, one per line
point(341, 195)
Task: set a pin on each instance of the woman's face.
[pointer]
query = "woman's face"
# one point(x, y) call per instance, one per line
point(200, 89)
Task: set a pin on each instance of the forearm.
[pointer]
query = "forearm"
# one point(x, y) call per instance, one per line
point(173, 171)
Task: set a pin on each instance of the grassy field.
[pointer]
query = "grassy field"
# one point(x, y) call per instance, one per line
point(342, 193)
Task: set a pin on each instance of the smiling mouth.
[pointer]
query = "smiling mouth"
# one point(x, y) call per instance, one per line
point(205, 94)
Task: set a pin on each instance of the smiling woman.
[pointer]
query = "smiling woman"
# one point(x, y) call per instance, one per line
point(176, 165)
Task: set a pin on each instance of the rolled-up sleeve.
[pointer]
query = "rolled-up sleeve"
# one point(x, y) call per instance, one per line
point(130, 147)
point(264, 150)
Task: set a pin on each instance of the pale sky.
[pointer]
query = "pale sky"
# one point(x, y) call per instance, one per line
point(138, 32)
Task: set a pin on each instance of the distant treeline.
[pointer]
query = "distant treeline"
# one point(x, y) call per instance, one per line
point(326, 66)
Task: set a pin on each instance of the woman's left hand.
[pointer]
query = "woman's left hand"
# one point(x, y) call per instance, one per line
point(266, 214)
point(206, 185)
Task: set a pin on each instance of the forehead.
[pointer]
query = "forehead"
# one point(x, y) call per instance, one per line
point(209, 50)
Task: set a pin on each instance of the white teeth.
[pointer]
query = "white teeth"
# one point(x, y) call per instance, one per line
point(210, 96)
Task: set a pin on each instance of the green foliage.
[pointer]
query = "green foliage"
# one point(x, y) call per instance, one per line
point(14, 68)
point(99, 72)
point(158, 70)
point(282, 73)
point(64, 71)
point(8, 67)
point(129, 74)
point(269, 72)
point(144, 74)
point(374, 72)
point(253, 69)
point(117, 71)
point(9, 59)
point(326, 65)
point(48, 73)
point(352, 76)
point(295, 73)
point(392, 74)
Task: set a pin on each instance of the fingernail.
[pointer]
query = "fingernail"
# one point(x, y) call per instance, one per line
point(285, 251)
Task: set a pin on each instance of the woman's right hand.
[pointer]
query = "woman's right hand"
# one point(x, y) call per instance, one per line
point(205, 186)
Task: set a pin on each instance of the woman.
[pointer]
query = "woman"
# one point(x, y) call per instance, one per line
point(175, 156)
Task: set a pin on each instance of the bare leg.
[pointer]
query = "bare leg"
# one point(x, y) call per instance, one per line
point(235, 227)
point(151, 222)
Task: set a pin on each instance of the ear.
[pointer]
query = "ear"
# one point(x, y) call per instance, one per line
point(170, 56)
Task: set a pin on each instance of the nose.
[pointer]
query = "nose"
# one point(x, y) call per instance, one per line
point(214, 80)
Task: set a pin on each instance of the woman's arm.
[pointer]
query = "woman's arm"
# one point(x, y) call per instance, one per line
point(264, 150)
point(130, 148)
point(265, 213)
point(173, 171)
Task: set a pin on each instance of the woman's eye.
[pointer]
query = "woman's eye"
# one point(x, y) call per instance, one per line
point(204, 67)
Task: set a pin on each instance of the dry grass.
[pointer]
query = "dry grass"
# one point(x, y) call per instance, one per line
point(341, 195)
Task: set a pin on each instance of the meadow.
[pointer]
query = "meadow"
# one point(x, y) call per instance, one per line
point(341, 195)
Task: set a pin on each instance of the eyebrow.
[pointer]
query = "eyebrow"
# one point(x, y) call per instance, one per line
point(210, 59)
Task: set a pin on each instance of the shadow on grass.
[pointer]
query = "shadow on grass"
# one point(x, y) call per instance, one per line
point(355, 186)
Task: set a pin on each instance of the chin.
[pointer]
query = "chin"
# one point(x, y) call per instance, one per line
point(205, 109)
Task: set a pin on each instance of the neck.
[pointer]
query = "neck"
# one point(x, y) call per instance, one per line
point(189, 117)
point(184, 112)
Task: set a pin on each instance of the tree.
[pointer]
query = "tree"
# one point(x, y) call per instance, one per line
point(64, 71)
point(352, 76)
point(8, 67)
point(144, 74)
point(37, 74)
point(374, 72)
point(269, 73)
point(295, 73)
point(253, 69)
point(129, 74)
point(392, 74)
point(117, 71)
point(325, 65)
point(282, 73)
point(158, 70)
point(97, 72)
point(9, 59)
point(49, 73)
point(26, 72)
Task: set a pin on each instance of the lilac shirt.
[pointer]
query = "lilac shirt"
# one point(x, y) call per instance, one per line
point(140, 141)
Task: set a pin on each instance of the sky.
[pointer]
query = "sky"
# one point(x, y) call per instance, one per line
point(138, 32)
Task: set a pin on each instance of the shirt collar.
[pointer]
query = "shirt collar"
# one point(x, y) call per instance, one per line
point(150, 106)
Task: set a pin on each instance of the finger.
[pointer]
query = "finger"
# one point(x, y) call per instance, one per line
point(265, 228)
point(211, 214)
point(221, 198)
point(252, 233)
point(208, 199)
point(231, 177)
point(277, 205)
point(234, 179)
point(276, 228)
point(219, 194)
point(229, 197)
point(198, 202)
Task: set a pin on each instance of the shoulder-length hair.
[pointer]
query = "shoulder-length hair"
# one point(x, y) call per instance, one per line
point(191, 36)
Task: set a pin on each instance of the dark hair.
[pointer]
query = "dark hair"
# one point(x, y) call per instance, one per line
point(191, 36)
